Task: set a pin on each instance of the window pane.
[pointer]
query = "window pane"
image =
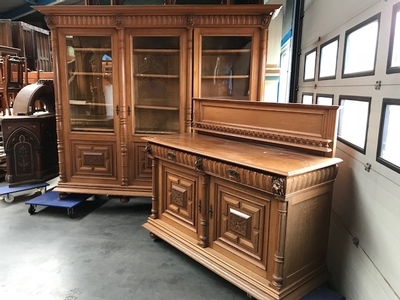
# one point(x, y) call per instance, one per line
point(328, 59)
point(396, 43)
point(307, 99)
point(309, 65)
point(325, 100)
point(353, 121)
point(389, 142)
point(360, 49)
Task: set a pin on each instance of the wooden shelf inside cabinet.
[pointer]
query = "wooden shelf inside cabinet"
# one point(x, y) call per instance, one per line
point(156, 76)
point(157, 107)
point(163, 51)
point(143, 131)
point(225, 77)
point(90, 49)
point(226, 51)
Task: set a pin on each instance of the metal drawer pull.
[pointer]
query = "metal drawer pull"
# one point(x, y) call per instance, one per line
point(171, 156)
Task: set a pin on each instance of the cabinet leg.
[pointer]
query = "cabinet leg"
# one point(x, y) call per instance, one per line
point(154, 237)
point(63, 196)
point(124, 199)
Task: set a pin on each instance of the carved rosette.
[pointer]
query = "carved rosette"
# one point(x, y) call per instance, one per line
point(278, 186)
point(147, 149)
point(118, 20)
point(265, 20)
point(49, 21)
point(190, 20)
point(198, 164)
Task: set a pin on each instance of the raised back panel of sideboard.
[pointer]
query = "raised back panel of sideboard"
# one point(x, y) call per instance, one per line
point(306, 128)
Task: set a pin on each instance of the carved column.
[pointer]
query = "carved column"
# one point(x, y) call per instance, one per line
point(279, 257)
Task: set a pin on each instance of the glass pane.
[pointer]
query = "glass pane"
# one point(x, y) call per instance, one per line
point(396, 43)
point(390, 144)
point(307, 99)
point(225, 67)
point(353, 120)
point(361, 49)
point(90, 92)
point(327, 67)
point(156, 65)
point(324, 100)
point(309, 65)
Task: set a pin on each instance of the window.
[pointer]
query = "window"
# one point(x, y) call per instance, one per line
point(307, 98)
point(389, 143)
point(323, 99)
point(360, 48)
point(328, 59)
point(393, 64)
point(309, 65)
point(353, 121)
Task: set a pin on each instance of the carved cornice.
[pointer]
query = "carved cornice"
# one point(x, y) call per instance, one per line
point(115, 21)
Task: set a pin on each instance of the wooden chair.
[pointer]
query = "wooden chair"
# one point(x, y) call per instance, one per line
point(13, 74)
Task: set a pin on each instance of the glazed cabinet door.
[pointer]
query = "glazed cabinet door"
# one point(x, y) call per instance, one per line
point(239, 225)
point(226, 63)
point(89, 95)
point(182, 199)
point(157, 94)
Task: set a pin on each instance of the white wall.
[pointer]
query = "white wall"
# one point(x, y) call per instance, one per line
point(366, 205)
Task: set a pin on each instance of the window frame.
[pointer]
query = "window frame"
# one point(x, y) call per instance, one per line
point(389, 68)
point(332, 96)
point(344, 141)
point(376, 17)
point(305, 64)
point(336, 38)
point(390, 165)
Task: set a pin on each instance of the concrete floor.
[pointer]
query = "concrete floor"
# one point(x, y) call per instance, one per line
point(102, 253)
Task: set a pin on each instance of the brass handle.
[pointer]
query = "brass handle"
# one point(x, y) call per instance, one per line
point(171, 155)
point(117, 110)
point(129, 110)
point(232, 174)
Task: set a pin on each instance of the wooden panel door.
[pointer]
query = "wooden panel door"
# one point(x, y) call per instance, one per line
point(239, 225)
point(180, 198)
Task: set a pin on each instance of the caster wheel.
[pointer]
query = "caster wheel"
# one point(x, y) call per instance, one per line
point(31, 209)
point(9, 198)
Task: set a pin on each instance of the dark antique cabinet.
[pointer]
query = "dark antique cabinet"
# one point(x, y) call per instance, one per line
point(123, 72)
point(30, 144)
point(248, 193)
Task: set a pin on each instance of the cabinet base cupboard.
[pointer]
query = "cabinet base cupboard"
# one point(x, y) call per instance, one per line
point(248, 193)
point(126, 71)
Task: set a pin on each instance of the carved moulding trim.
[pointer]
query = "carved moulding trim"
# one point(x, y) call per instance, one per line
point(221, 169)
point(303, 181)
point(112, 21)
point(324, 145)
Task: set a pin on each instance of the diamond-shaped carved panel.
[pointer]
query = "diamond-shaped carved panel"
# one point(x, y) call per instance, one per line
point(181, 194)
